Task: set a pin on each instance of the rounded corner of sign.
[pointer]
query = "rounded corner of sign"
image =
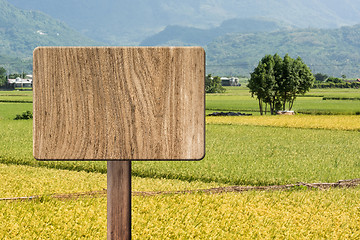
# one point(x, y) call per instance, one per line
point(36, 50)
point(202, 50)
point(38, 158)
point(201, 157)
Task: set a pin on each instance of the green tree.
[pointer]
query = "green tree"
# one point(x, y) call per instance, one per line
point(319, 77)
point(2, 76)
point(262, 83)
point(276, 81)
point(257, 85)
point(301, 81)
point(15, 75)
point(213, 84)
point(335, 80)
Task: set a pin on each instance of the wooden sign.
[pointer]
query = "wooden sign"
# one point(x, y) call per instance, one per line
point(119, 103)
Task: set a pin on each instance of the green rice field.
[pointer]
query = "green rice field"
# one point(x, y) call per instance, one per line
point(239, 99)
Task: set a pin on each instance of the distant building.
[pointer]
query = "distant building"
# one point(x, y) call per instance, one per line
point(285, 113)
point(20, 83)
point(232, 81)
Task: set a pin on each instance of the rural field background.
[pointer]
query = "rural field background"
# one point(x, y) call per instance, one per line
point(319, 144)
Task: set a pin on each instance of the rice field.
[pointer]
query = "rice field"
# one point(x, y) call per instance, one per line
point(294, 214)
point(16, 96)
point(239, 99)
point(251, 151)
point(331, 122)
point(235, 154)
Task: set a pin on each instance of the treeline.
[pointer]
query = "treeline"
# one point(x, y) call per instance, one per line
point(324, 81)
point(2, 76)
point(336, 85)
point(213, 84)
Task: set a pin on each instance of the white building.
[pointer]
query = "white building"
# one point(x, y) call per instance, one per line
point(20, 82)
point(231, 81)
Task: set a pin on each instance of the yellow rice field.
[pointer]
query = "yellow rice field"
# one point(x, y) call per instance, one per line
point(333, 122)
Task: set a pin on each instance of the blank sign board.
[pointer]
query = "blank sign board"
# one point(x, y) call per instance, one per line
point(119, 103)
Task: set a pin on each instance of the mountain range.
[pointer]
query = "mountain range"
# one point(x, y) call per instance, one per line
point(335, 52)
point(235, 34)
point(23, 30)
point(128, 22)
point(185, 36)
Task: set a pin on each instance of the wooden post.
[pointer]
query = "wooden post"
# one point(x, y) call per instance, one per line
point(118, 200)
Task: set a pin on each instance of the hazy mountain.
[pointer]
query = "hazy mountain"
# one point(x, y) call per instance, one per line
point(183, 36)
point(21, 31)
point(331, 51)
point(130, 21)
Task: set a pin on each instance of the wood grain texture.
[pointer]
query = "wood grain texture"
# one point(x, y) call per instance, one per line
point(118, 200)
point(111, 103)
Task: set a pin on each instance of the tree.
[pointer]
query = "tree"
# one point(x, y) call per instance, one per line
point(262, 83)
point(319, 77)
point(2, 71)
point(303, 80)
point(257, 85)
point(335, 80)
point(2, 76)
point(276, 81)
point(16, 75)
point(213, 84)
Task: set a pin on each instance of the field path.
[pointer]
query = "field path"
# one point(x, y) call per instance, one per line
point(297, 186)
